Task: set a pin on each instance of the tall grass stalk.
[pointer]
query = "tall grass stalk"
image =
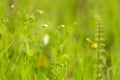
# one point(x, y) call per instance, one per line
point(103, 71)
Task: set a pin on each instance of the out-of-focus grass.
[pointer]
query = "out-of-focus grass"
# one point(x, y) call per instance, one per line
point(23, 54)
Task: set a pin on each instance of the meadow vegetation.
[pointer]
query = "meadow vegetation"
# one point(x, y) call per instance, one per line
point(59, 40)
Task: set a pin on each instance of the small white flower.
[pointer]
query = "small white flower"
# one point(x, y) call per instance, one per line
point(87, 39)
point(46, 39)
point(12, 6)
point(45, 25)
point(40, 11)
point(62, 25)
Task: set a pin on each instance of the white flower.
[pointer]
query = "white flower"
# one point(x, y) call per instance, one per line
point(46, 39)
point(45, 25)
point(40, 11)
point(12, 6)
point(62, 25)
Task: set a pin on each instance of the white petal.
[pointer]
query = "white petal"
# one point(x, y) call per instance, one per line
point(46, 39)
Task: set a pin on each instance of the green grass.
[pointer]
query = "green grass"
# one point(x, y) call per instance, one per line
point(67, 55)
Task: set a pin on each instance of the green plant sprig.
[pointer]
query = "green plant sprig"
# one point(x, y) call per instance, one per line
point(103, 58)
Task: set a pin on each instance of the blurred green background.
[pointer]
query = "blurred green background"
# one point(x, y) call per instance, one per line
point(66, 23)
